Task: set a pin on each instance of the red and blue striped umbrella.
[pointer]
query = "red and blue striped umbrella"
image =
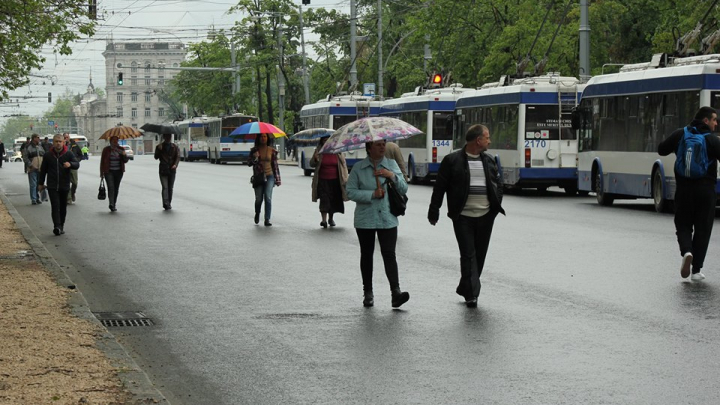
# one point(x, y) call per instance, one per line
point(254, 128)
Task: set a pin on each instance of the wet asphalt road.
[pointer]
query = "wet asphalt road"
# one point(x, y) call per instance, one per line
point(580, 303)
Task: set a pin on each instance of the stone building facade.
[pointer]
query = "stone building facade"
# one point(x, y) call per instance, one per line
point(138, 100)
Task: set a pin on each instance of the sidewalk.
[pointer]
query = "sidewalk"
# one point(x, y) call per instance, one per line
point(50, 344)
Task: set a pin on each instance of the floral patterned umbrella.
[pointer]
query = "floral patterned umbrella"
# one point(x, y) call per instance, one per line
point(355, 134)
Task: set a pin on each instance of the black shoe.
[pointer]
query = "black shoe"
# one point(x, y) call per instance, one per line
point(39, 202)
point(323, 224)
point(112, 208)
point(56, 231)
point(399, 298)
point(257, 218)
point(62, 229)
point(331, 222)
point(368, 300)
point(34, 202)
point(471, 303)
point(267, 223)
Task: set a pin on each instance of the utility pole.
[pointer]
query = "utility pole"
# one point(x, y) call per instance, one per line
point(584, 41)
point(233, 63)
point(306, 86)
point(281, 77)
point(380, 55)
point(353, 33)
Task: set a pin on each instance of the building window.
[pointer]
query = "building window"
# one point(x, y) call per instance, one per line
point(133, 112)
point(161, 81)
point(119, 112)
point(148, 97)
point(134, 125)
point(119, 97)
point(133, 96)
point(133, 80)
point(147, 112)
point(133, 67)
point(161, 112)
point(147, 80)
point(147, 68)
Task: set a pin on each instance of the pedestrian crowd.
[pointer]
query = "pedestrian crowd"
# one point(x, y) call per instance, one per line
point(468, 180)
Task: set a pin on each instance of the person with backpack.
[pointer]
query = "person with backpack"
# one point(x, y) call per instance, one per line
point(697, 151)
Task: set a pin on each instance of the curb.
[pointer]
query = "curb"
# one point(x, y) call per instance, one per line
point(135, 381)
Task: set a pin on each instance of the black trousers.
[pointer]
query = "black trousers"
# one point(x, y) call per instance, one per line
point(694, 218)
point(58, 205)
point(167, 181)
point(388, 240)
point(473, 237)
point(113, 179)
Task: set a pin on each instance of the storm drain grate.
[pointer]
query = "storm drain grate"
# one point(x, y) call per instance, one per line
point(123, 319)
point(289, 316)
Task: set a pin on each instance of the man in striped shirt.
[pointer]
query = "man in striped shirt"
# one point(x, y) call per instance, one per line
point(472, 183)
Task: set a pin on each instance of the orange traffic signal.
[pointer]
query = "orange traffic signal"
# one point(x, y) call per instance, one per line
point(437, 78)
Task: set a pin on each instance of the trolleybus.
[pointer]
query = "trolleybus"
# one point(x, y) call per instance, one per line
point(530, 128)
point(624, 116)
point(334, 112)
point(194, 135)
point(431, 111)
point(222, 148)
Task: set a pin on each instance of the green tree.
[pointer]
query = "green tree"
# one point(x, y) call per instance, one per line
point(16, 127)
point(27, 25)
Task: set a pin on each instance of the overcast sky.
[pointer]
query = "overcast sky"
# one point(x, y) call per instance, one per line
point(130, 20)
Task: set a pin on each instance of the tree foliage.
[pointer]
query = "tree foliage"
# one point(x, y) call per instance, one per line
point(470, 41)
point(27, 25)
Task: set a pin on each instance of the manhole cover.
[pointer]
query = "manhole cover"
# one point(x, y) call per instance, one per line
point(123, 319)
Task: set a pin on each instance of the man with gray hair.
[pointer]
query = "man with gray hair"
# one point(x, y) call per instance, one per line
point(470, 179)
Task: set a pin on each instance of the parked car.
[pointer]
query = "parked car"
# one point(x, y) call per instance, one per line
point(129, 152)
point(14, 156)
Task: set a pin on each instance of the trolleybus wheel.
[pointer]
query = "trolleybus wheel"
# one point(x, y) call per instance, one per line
point(602, 197)
point(661, 203)
point(412, 177)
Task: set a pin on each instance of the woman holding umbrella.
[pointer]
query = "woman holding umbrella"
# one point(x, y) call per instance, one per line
point(373, 216)
point(266, 174)
point(328, 183)
point(112, 167)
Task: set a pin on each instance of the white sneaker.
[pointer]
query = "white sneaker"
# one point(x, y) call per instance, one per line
point(697, 276)
point(686, 264)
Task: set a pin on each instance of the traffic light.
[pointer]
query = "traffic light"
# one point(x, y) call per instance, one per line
point(305, 2)
point(92, 9)
point(120, 79)
point(436, 80)
point(49, 97)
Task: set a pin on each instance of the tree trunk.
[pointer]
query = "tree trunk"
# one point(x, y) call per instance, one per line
point(259, 93)
point(268, 93)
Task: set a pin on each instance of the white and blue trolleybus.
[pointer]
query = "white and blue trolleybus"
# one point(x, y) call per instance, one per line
point(195, 132)
point(334, 112)
point(431, 111)
point(529, 120)
point(624, 116)
point(222, 148)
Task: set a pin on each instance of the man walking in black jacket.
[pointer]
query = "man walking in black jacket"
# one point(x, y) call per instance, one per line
point(56, 167)
point(695, 198)
point(473, 186)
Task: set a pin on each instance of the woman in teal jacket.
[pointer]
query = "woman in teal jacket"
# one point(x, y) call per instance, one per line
point(372, 216)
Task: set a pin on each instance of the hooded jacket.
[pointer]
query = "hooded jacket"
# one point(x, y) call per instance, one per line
point(58, 177)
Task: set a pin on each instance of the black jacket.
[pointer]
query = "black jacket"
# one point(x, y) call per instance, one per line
point(58, 177)
point(670, 145)
point(454, 179)
point(75, 149)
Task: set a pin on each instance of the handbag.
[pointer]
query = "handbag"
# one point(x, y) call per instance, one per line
point(398, 202)
point(257, 180)
point(101, 190)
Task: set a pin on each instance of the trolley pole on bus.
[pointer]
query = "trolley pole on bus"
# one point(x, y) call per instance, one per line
point(584, 41)
point(380, 55)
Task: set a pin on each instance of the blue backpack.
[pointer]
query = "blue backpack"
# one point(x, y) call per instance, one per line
point(692, 158)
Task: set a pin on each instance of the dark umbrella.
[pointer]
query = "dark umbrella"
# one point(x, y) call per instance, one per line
point(311, 135)
point(161, 129)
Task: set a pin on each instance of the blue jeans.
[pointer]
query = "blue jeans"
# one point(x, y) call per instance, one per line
point(265, 190)
point(33, 180)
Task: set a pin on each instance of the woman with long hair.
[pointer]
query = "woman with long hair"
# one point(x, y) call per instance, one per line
point(266, 174)
point(328, 183)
